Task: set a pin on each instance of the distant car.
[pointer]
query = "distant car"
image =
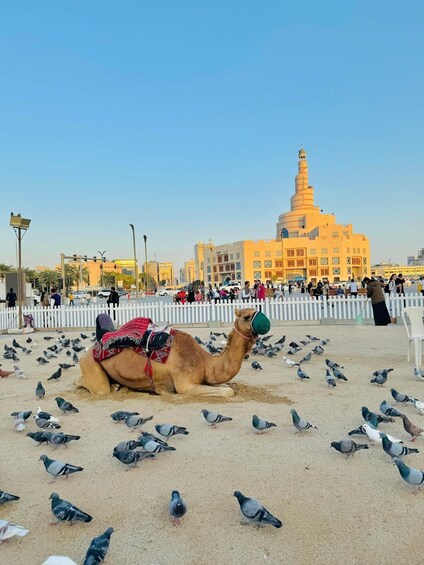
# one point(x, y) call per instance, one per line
point(231, 285)
point(104, 293)
point(122, 292)
point(167, 292)
point(80, 295)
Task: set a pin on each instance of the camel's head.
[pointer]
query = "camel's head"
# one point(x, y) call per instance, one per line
point(252, 322)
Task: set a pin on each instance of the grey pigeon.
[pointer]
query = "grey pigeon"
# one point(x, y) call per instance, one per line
point(7, 497)
point(98, 549)
point(122, 414)
point(65, 406)
point(380, 376)
point(330, 381)
point(299, 424)
point(61, 439)
point(57, 468)
point(348, 447)
point(312, 338)
point(418, 373)
point(56, 375)
point(388, 410)
point(134, 422)
point(333, 364)
point(24, 414)
point(152, 446)
point(338, 374)
point(177, 508)
point(64, 511)
point(306, 358)
point(301, 374)
point(254, 511)
point(409, 474)
point(40, 437)
point(131, 457)
point(75, 358)
point(39, 390)
point(127, 445)
point(49, 355)
point(358, 431)
point(368, 416)
point(152, 437)
point(213, 418)
point(255, 365)
point(65, 366)
point(400, 397)
point(41, 361)
point(46, 415)
point(261, 425)
point(318, 350)
point(169, 430)
point(45, 424)
point(395, 449)
point(325, 341)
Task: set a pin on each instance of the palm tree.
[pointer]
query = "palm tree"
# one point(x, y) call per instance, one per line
point(73, 274)
point(109, 278)
point(4, 269)
point(48, 279)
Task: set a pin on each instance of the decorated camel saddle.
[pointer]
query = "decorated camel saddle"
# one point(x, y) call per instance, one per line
point(144, 357)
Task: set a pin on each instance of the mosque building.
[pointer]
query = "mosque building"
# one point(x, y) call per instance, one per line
point(309, 246)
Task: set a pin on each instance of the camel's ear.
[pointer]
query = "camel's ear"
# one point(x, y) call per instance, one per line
point(237, 313)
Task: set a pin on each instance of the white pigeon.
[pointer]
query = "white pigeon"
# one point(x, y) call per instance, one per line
point(8, 530)
point(289, 362)
point(19, 424)
point(419, 406)
point(375, 436)
point(51, 419)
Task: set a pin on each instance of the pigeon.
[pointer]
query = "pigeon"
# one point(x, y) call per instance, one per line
point(301, 374)
point(134, 422)
point(409, 474)
point(7, 497)
point(152, 446)
point(338, 374)
point(304, 342)
point(306, 358)
point(169, 430)
point(329, 378)
point(40, 437)
point(261, 425)
point(255, 365)
point(65, 366)
point(375, 436)
point(396, 449)
point(325, 341)
point(77, 348)
point(318, 350)
point(24, 414)
point(348, 447)
point(64, 511)
point(56, 375)
point(177, 508)
point(400, 397)
point(388, 410)
point(411, 428)
point(418, 373)
point(369, 416)
point(312, 338)
point(49, 355)
point(53, 348)
point(83, 336)
point(254, 511)
point(152, 437)
point(99, 547)
point(290, 363)
point(122, 414)
point(127, 445)
point(9, 530)
point(294, 350)
point(19, 424)
point(46, 416)
point(39, 391)
point(299, 424)
point(45, 424)
point(199, 341)
point(132, 457)
point(281, 340)
point(65, 406)
point(57, 468)
point(333, 364)
point(357, 431)
point(29, 340)
point(294, 344)
point(61, 439)
point(380, 376)
point(75, 358)
point(42, 361)
point(419, 406)
point(16, 344)
point(48, 337)
point(213, 418)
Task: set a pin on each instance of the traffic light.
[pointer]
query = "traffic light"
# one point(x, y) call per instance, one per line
point(103, 259)
point(85, 257)
point(74, 256)
point(94, 258)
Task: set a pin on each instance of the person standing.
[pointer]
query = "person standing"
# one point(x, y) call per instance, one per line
point(190, 296)
point(400, 282)
point(378, 303)
point(11, 298)
point(260, 291)
point(44, 298)
point(392, 286)
point(353, 287)
point(55, 299)
point(71, 299)
point(246, 293)
point(113, 299)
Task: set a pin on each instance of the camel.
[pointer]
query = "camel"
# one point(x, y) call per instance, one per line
point(189, 370)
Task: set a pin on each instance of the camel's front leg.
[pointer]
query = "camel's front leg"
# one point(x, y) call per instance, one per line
point(221, 391)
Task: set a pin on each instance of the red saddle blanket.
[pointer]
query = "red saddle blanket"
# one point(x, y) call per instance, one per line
point(133, 333)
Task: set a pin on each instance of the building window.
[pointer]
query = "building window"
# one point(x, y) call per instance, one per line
point(323, 261)
point(279, 274)
point(364, 252)
point(238, 276)
point(256, 264)
point(300, 263)
point(356, 261)
point(257, 274)
point(323, 251)
point(300, 252)
point(290, 252)
point(268, 275)
point(336, 271)
point(312, 251)
point(238, 265)
point(290, 263)
point(256, 254)
point(237, 255)
point(226, 258)
point(278, 264)
point(267, 253)
point(336, 261)
point(231, 257)
point(324, 272)
point(364, 260)
point(312, 272)
point(335, 234)
point(335, 249)
point(278, 253)
point(312, 262)
point(208, 269)
point(221, 268)
point(268, 264)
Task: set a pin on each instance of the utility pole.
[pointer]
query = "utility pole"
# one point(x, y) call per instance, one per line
point(135, 261)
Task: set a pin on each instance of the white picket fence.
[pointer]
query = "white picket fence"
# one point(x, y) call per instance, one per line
point(292, 308)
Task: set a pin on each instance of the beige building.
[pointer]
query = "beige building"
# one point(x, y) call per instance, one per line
point(386, 270)
point(309, 246)
point(166, 273)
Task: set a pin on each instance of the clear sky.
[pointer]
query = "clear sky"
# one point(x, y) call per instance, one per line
point(185, 119)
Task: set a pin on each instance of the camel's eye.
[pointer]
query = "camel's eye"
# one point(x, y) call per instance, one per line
point(246, 318)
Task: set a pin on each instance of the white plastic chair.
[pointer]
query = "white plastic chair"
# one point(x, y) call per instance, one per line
point(413, 319)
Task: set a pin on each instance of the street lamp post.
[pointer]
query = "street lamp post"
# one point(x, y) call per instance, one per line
point(135, 261)
point(20, 225)
point(102, 255)
point(145, 261)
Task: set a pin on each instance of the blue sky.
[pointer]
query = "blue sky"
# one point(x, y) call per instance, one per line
point(185, 119)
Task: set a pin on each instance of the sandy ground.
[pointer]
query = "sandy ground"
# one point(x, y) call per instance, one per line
point(333, 509)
